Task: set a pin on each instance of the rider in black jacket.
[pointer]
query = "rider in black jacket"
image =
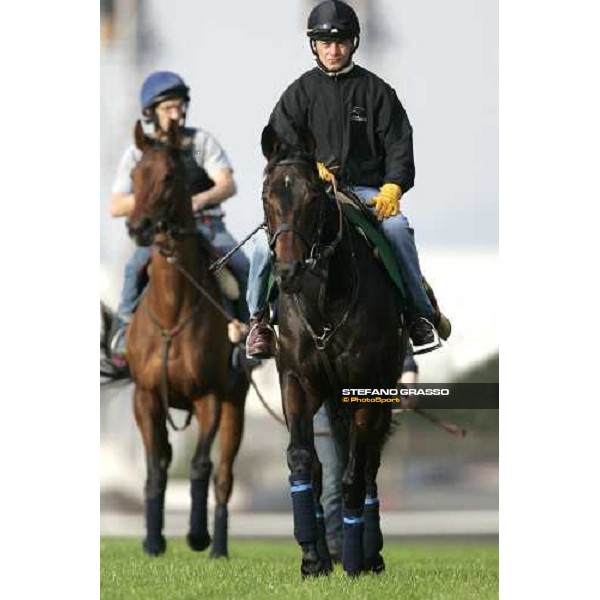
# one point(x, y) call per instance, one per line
point(363, 135)
point(362, 131)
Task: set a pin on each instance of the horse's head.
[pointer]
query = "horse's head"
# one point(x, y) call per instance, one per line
point(161, 202)
point(293, 201)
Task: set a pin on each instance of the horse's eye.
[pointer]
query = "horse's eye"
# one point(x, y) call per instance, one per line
point(169, 178)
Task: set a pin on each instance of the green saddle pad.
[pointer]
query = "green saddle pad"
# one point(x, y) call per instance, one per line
point(378, 241)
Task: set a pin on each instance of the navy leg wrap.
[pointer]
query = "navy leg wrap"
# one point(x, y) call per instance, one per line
point(154, 544)
point(219, 547)
point(352, 557)
point(199, 491)
point(305, 522)
point(373, 539)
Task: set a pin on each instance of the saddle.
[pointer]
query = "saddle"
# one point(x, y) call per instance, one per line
point(228, 284)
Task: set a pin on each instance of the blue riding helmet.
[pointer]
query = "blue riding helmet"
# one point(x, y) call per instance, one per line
point(159, 86)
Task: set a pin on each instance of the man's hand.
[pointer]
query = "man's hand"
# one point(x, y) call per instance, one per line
point(387, 202)
point(324, 173)
point(200, 201)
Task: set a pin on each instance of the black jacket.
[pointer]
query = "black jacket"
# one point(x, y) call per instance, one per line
point(358, 123)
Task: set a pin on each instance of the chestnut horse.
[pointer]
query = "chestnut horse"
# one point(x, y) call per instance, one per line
point(177, 347)
point(339, 320)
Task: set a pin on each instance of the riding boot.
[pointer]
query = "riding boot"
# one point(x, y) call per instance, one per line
point(441, 322)
point(262, 341)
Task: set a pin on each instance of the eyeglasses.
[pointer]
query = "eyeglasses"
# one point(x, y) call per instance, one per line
point(170, 109)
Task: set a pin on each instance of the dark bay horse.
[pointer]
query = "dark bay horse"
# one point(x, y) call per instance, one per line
point(177, 348)
point(339, 318)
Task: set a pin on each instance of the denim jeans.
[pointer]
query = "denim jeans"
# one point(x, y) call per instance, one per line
point(399, 234)
point(331, 461)
point(215, 232)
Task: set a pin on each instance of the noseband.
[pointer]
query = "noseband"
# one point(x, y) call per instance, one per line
point(316, 250)
point(149, 227)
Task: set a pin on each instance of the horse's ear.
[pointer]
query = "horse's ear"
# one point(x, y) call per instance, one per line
point(307, 141)
point(269, 141)
point(141, 139)
point(174, 135)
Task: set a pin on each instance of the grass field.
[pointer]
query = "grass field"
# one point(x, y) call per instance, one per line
point(271, 569)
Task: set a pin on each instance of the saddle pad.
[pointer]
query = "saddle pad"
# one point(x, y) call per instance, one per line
point(366, 224)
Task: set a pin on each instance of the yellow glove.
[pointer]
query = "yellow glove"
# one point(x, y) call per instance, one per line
point(387, 202)
point(324, 173)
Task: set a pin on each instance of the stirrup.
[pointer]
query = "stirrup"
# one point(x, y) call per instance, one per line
point(431, 346)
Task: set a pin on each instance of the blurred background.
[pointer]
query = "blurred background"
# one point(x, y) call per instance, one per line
point(237, 58)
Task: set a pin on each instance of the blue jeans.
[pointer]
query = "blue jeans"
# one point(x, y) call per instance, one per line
point(331, 461)
point(402, 240)
point(213, 229)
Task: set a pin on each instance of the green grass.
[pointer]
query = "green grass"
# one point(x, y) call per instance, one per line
point(271, 569)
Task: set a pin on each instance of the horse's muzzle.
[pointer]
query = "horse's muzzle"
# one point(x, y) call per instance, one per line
point(142, 232)
point(287, 276)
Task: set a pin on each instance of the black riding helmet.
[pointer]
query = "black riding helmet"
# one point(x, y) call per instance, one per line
point(333, 20)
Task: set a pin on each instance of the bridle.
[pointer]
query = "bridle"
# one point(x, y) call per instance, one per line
point(148, 228)
point(317, 251)
point(317, 262)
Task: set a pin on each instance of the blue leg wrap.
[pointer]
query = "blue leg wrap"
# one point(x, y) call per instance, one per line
point(373, 539)
point(199, 492)
point(219, 547)
point(352, 557)
point(154, 544)
point(305, 522)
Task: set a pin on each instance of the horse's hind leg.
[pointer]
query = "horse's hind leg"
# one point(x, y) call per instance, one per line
point(151, 423)
point(207, 411)
point(230, 436)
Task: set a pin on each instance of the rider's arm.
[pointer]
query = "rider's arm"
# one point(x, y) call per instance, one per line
point(290, 114)
point(223, 189)
point(213, 159)
point(397, 141)
point(121, 204)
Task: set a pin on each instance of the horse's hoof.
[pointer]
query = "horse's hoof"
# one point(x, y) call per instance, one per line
point(155, 546)
point(313, 565)
point(198, 542)
point(375, 565)
point(216, 554)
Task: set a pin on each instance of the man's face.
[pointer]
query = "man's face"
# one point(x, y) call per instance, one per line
point(169, 110)
point(335, 55)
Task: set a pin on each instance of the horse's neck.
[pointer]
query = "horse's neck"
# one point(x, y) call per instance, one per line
point(170, 292)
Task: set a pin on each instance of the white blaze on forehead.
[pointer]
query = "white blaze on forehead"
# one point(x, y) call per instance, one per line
point(287, 181)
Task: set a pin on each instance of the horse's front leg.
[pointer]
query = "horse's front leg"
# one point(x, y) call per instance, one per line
point(207, 411)
point(231, 429)
point(353, 494)
point(300, 452)
point(150, 419)
point(373, 538)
